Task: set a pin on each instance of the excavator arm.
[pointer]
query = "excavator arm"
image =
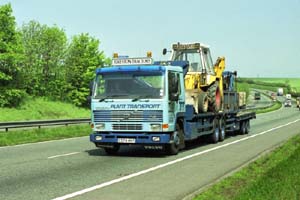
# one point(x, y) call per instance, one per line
point(219, 67)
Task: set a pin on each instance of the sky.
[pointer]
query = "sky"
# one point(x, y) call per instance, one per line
point(259, 38)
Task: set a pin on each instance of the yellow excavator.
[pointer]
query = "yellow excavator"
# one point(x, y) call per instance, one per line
point(203, 80)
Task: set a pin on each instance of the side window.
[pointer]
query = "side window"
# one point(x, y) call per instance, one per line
point(174, 84)
point(178, 84)
point(208, 61)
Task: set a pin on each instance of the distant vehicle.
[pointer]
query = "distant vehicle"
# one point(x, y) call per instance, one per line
point(257, 96)
point(273, 96)
point(288, 103)
point(288, 96)
point(298, 102)
point(280, 92)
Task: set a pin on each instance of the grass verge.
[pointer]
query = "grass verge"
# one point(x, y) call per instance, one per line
point(277, 105)
point(273, 176)
point(41, 108)
point(38, 135)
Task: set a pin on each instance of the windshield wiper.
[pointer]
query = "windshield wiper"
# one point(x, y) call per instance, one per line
point(110, 96)
point(141, 97)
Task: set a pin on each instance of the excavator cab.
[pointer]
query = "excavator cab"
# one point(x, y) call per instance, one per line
point(197, 55)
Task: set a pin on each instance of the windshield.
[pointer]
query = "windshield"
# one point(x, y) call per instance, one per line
point(193, 56)
point(130, 85)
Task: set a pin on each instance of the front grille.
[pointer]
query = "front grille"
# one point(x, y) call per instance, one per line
point(127, 127)
point(128, 116)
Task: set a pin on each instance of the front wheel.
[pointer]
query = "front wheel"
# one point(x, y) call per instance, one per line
point(202, 102)
point(178, 141)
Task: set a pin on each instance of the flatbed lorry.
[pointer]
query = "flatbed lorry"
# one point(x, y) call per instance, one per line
point(140, 102)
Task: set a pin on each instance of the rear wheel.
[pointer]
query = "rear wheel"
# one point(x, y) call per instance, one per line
point(247, 126)
point(112, 151)
point(214, 96)
point(214, 137)
point(221, 129)
point(243, 128)
point(202, 102)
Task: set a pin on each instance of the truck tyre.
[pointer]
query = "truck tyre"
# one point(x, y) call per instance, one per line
point(222, 130)
point(112, 151)
point(247, 126)
point(214, 137)
point(215, 99)
point(202, 102)
point(243, 127)
point(173, 148)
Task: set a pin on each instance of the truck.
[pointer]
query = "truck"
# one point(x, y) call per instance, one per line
point(137, 101)
point(280, 92)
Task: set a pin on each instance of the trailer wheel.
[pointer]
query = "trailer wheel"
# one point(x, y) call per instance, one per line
point(202, 102)
point(173, 148)
point(222, 130)
point(243, 127)
point(112, 151)
point(214, 137)
point(247, 126)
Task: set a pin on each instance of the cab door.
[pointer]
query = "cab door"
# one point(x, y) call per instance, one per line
point(175, 94)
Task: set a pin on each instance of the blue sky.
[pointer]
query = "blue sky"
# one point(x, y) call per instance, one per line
point(258, 38)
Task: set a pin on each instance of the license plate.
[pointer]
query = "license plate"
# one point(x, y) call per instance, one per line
point(126, 140)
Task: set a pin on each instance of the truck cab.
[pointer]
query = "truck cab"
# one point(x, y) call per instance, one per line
point(136, 102)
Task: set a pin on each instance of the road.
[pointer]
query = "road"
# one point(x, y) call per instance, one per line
point(54, 169)
point(263, 102)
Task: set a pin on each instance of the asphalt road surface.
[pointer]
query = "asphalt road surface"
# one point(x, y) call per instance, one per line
point(75, 168)
point(263, 102)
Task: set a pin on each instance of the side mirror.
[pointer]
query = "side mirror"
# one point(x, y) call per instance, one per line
point(165, 51)
point(174, 96)
point(88, 100)
point(91, 87)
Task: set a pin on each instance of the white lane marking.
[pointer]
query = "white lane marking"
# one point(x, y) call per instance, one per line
point(49, 141)
point(165, 164)
point(67, 154)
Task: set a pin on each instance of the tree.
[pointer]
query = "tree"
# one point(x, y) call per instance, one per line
point(83, 57)
point(44, 64)
point(11, 58)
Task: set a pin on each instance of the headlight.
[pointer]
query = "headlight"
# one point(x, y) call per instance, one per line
point(98, 137)
point(155, 127)
point(155, 138)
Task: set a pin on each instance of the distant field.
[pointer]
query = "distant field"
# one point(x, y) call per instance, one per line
point(41, 108)
point(294, 82)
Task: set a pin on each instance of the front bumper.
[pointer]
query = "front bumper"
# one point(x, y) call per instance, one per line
point(130, 138)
